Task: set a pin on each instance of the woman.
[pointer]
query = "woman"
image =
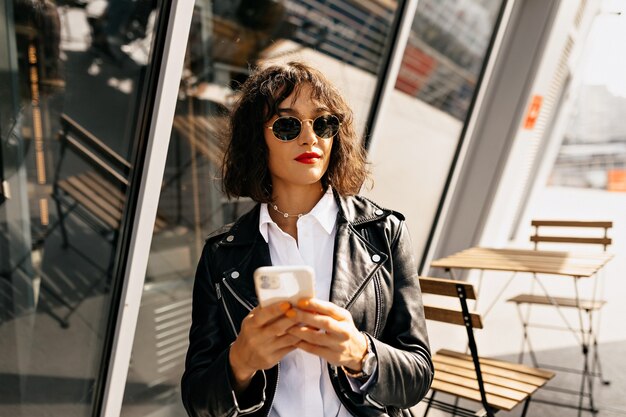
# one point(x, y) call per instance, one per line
point(360, 347)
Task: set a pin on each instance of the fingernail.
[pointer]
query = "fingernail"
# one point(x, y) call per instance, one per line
point(290, 313)
point(285, 306)
point(303, 303)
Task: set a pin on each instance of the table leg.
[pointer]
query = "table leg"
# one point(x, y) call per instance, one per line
point(558, 309)
point(586, 335)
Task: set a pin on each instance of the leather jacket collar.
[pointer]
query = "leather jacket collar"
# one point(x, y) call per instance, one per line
point(349, 278)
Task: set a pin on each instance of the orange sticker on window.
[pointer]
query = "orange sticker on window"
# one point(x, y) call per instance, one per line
point(533, 112)
point(616, 180)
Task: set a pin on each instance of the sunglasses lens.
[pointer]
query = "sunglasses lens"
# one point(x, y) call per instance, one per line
point(286, 128)
point(326, 126)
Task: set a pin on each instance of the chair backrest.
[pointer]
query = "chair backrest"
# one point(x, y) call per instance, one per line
point(449, 288)
point(93, 151)
point(567, 226)
point(461, 291)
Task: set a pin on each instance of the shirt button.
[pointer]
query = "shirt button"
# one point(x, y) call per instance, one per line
point(376, 258)
point(230, 238)
point(378, 212)
point(234, 275)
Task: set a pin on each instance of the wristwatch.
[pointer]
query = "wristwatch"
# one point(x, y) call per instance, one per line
point(368, 363)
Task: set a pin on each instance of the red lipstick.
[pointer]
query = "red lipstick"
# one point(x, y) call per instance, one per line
point(308, 157)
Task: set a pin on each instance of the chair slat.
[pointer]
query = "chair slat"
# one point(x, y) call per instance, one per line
point(568, 239)
point(97, 184)
point(91, 197)
point(500, 391)
point(561, 301)
point(490, 370)
point(441, 286)
point(470, 394)
point(71, 126)
point(492, 379)
point(78, 195)
point(572, 223)
point(95, 161)
point(542, 373)
point(446, 315)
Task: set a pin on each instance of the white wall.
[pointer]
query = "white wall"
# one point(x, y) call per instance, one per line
point(411, 159)
point(528, 147)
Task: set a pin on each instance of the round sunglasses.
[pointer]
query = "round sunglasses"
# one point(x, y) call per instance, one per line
point(288, 128)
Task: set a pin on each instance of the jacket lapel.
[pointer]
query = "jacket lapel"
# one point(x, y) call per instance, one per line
point(355, 260)
point(247, 251)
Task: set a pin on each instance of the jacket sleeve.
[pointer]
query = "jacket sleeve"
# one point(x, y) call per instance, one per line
point(405, 369)
point(206, 383)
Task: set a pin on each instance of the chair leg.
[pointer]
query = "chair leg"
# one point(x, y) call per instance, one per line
point(525, 409)
point(456, 406)
point(522, 351)
point(598, 365)
point(61, 222)
point(586, 379)
point(525, 321)
point(430, 403)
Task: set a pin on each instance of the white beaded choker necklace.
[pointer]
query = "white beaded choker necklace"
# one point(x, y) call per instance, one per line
point(287, 215)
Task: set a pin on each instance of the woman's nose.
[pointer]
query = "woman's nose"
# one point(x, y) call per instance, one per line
point(307, 135)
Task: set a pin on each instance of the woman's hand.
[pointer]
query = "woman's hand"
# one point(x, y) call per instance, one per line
point(328, 331)
point(262, 342)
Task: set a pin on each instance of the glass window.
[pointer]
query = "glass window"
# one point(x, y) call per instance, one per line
point(346, 39)
point(419, 131)
point(73, 77)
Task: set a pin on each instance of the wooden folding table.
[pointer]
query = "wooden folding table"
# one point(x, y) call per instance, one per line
point(555, 263)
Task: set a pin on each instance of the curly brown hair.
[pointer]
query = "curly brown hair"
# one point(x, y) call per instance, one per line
point(245, 169)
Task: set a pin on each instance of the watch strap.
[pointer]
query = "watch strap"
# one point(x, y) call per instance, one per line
point(361, 374)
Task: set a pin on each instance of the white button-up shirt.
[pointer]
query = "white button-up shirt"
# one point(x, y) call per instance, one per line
point(304, 387)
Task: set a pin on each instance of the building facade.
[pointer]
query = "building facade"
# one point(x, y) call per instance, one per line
point(112, 116)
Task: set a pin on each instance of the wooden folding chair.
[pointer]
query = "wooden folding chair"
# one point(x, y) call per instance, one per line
point(495, 384)
point(97, 194)
point(568, 232)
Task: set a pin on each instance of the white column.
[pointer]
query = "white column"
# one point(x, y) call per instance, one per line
point(389, 81)
point(152, 175)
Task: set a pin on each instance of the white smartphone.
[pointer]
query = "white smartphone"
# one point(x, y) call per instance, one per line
point(283, 283)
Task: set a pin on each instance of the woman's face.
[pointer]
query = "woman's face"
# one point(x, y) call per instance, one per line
point(304, 160)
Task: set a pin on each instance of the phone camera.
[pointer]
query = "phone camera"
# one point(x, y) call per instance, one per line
point(265, 282)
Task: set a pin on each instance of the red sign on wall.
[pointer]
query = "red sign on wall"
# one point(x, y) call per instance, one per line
point(616, 180)
point(533, 112)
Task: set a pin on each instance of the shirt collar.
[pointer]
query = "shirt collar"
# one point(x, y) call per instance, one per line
point(325, 212)
point(264, 221)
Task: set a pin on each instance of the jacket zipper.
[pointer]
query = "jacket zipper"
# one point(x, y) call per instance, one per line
point(232, 324)
point(379, 300)
point(243, 302)
point(249, 307)
point(230, 319)
point(275, 390)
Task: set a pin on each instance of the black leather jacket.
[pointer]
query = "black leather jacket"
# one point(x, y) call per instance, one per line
point(374, 277)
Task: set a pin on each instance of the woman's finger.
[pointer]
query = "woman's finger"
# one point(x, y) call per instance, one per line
point(318, 321)
point(322, 351)
point(323, 307)
point(284, 341)
point(261, 316)
point(278, 327)
point(313, 336)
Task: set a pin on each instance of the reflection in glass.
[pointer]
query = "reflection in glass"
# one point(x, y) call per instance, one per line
point(346, 39)
point(71, 77)
point(445, 52)
point(441, 66)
